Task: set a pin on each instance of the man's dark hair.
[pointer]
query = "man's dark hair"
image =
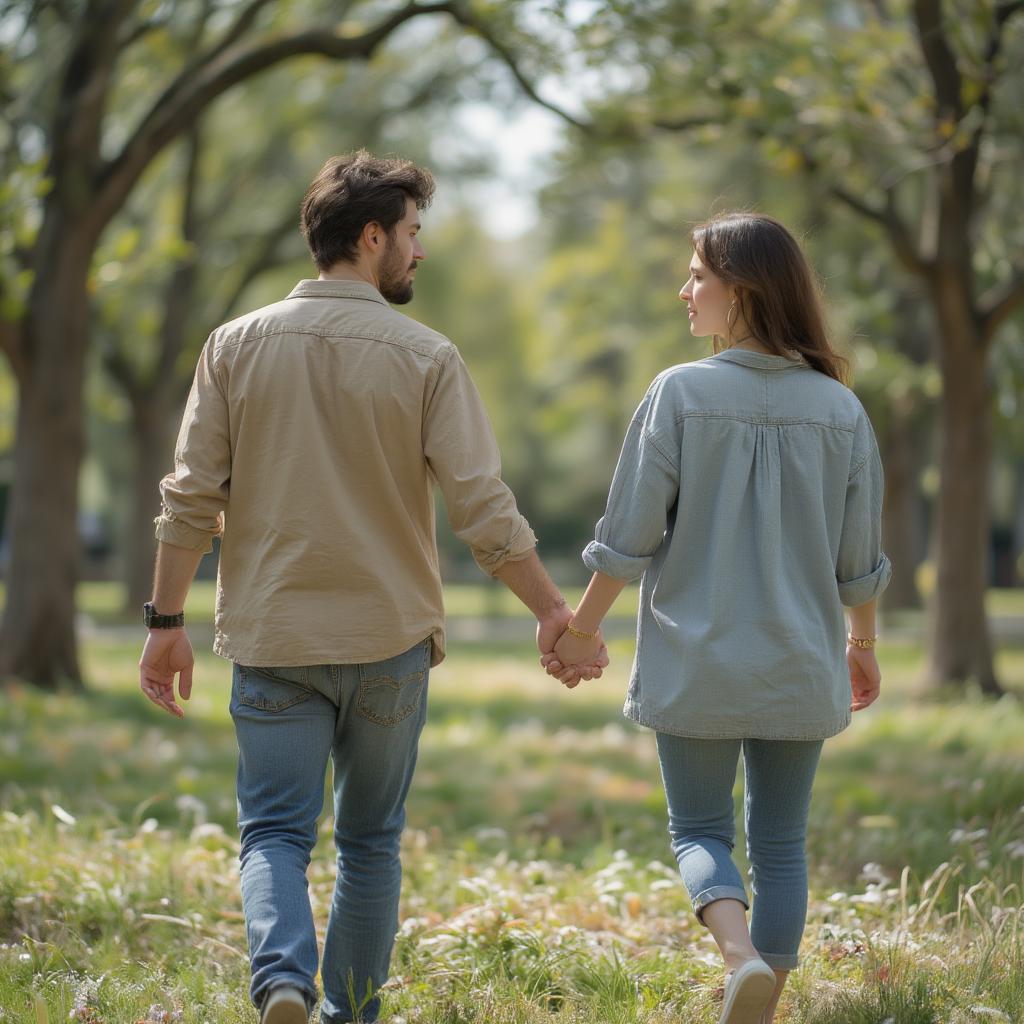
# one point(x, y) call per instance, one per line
point(351, 191)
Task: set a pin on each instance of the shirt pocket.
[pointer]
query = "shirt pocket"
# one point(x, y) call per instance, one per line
point(273, 689)
point(392, 690)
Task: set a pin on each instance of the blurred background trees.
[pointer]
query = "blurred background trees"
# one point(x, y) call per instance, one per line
point(888, 135)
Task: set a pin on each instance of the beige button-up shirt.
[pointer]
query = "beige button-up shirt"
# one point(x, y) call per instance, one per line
point(318, 427)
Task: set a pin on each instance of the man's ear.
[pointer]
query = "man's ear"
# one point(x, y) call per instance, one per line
point(373, 237)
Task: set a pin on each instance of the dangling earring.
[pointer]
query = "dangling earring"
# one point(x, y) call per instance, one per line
point(731, 316)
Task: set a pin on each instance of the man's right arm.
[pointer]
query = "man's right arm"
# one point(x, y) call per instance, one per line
point(462, 453)
point(529, 581)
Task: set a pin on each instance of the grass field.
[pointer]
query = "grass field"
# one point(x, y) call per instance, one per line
point(539, 884)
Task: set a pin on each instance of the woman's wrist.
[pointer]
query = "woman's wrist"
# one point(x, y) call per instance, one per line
point(865, 643)
point(574, 628)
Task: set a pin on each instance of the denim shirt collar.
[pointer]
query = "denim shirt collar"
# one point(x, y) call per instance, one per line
point(318, 289)
point(761, 360)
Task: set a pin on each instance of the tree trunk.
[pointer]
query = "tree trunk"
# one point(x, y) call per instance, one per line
point(902, 534)
point(960, 649)
point(152, 458)
point(37, 637)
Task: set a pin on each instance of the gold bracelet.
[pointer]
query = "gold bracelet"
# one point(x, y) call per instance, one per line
point(865, 643)
point(579, 633)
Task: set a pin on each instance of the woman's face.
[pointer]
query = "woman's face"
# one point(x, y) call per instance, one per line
point(707, 299)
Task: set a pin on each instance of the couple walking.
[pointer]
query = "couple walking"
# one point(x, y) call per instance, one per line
point(747, 499)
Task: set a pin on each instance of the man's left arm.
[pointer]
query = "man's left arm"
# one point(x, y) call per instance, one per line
point(167, 652)
point(194, 498)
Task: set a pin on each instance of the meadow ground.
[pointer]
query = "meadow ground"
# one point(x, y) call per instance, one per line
point(539, 885)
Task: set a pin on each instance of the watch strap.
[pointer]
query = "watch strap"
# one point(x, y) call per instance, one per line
point(152, 619)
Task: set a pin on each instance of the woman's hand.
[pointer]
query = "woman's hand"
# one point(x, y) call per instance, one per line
point(573, 659)
point(865, 676)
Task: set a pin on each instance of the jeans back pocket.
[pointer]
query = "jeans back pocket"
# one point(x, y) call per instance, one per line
point(273, 689)
point(392, 690)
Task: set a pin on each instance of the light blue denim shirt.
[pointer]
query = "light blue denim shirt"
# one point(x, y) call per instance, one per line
point(748, 496)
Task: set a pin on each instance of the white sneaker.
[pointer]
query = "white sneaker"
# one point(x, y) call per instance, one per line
point(747, 991)
point(285, 1005)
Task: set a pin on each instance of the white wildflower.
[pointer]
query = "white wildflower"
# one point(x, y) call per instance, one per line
point(873, 872)
point(989, 1011)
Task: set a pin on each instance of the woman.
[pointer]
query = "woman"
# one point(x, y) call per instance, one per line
point(748, 496)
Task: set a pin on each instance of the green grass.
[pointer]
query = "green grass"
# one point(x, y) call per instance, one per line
point(538, 879)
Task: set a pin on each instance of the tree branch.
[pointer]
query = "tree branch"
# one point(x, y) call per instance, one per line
point(84, 86)
point(939, 58)
point(999, 302)
point(685, 124)
point(464, 16)
point(180, 287)
point(141, 30)
point(265, 257)
point(888, 218)
point(241, 26)
point(1003, 13)
point(194, 90)
point(199, 85)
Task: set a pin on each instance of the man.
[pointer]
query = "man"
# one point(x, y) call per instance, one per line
point(313, 435)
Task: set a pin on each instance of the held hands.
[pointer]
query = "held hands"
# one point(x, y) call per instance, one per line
point(568, 658)
point(167, 652)
point(865, 676)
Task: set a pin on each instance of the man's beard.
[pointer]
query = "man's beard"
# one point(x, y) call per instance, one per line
point(395, 285)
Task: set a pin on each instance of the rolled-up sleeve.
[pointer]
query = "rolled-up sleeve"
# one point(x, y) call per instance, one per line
point(863, 570)
point(196, 493)
point(644, 489)
point(462, 453)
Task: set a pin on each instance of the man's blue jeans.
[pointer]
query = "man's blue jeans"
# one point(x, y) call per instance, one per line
point(288, 721)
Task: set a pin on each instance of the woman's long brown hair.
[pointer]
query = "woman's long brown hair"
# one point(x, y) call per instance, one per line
point(777, 294)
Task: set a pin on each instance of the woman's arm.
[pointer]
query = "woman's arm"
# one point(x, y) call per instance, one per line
point(600, 596)
point(865, 675)
point(862, 619)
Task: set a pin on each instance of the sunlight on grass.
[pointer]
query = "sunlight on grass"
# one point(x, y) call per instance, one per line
point(539, 885)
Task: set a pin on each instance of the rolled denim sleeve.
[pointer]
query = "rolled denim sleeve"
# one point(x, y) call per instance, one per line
point(462, 453)
point(196, 493)
point(863, 570)
point(643, 491)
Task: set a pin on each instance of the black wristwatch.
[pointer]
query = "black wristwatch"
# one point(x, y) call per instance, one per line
point(152, 619)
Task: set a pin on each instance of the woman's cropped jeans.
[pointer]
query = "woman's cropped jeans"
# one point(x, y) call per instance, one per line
point(289, 722)
point(699, 776)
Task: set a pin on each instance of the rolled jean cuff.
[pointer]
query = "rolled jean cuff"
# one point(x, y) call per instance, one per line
point(780, 961)
point(717, 892)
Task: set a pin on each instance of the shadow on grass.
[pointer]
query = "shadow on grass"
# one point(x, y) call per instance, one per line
point(506, 762)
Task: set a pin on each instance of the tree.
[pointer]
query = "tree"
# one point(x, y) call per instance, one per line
point(93, 158)
point(907, 116)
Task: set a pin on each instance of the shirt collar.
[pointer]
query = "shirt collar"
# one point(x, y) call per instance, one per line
point(761, 360)
point(316, 289)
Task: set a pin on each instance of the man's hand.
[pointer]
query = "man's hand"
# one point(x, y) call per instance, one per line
point(167, 652)
point(865, 676)
point(551, 627)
